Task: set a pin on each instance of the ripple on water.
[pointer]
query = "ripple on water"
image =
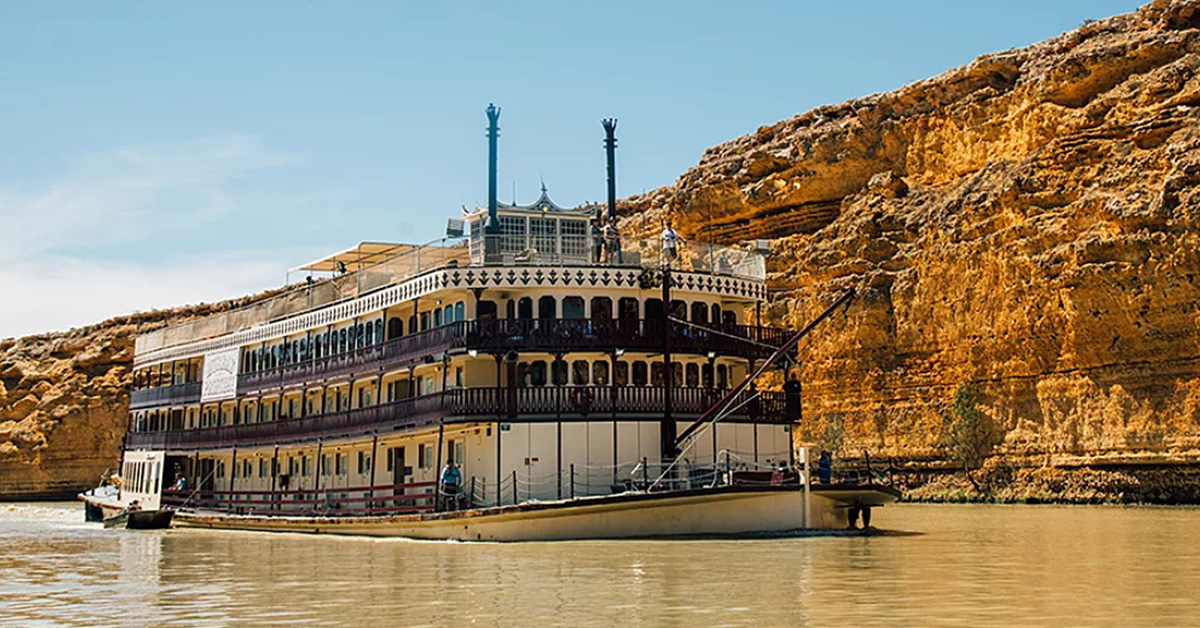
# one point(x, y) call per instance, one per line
point(979, 566)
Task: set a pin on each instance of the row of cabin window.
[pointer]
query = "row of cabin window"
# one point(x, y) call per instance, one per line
point(584, 373)
point(347, 338)
point(167, 374)
point(628, 308)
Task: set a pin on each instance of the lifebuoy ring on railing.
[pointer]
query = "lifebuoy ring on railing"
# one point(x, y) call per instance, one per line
point(581, 399)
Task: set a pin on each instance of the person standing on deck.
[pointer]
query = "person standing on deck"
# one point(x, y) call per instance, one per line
point(451, 480)
point(670, 244)
point(612, 241)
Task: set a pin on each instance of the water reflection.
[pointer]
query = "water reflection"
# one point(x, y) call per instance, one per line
point(980, 566)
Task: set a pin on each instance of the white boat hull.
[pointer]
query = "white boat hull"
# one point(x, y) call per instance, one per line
point(685, 514)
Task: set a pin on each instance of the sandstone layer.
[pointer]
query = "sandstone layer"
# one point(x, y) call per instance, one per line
point(1025, 227)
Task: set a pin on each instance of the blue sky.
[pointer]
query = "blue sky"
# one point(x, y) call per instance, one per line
point(156, 154)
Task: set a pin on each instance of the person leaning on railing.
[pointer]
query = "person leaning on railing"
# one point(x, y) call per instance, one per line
point(670, 243)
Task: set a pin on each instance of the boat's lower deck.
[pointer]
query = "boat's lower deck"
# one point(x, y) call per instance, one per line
point(720, 511)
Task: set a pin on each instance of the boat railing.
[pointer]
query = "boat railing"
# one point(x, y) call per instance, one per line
point(325, 499)
point(176, 394)
point(468, 404)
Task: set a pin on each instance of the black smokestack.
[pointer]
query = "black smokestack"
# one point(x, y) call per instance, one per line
point(610, 147)
point(493, 114)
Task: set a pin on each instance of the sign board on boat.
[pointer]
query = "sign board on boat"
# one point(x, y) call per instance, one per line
point(220, 376)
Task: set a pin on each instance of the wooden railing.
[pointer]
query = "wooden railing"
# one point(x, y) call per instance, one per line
point(464, 404)
point(328, 500)
point(503, 335)
point(165, 395)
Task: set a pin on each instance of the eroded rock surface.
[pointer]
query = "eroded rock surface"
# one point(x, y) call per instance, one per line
point(1025, 225)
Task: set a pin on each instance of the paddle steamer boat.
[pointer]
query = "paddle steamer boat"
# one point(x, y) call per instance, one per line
point(562, 371)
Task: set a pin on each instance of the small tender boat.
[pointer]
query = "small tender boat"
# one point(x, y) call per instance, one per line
point(140, 520)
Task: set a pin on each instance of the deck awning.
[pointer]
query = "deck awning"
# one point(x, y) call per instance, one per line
point(358, 257)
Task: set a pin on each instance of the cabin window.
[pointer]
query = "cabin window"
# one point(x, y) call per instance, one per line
point(722, 376)
point(656, 374)
point(343, 464)
point(559, 371)
point(601, 309)
point(693, 375)
point(412, 324)
point(448, 314)
point(458, 376)
point(676, 374)
point(573, 308)
point(379, 330)
point(580, 373)
point(437, 317)
point(547, 307)
point(395, 328)
point(537, 373)
point(706, 376)
point(424, 456)
point(715, 316)
point(654, 309)
point(262, 467)
point(621, 373)
point(359, 336)
point(510, 310)
point(627, 309)
point(679, 310)
point(424, 321)
point(639, 373)
point(305, 466)
point(600, 373)
point(699, 313)
point(485, 311)
point(460, 311)
point(370, 332)
point(342, 340)
point(364, 463)
point(729, 318)
point(525, 308)
point(512, 234)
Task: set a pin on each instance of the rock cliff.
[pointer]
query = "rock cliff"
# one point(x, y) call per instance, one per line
point(64, 401)
point(1024, 228)
point(1024, 235)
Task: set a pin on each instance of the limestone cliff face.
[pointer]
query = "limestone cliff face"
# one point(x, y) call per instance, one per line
point(1027, 226)
point(64, 401)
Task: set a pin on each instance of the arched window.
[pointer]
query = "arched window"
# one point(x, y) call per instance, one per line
point(358, 333)
point(715, 316)
point(437, 317)
point(580, 373)
point(343, 337)
point(460, 311)
point(621, 373)
point(679, 310)
point(395, 328)
point(525, 308)
point(558, 370)
point(572, 308)
point(448, 314)
point(600, 373)
point(484, 311)
point(412, 324)
point(379, 330)
point(656, 374)
point(729, 318)
point(424, 321)
point(693, 374)
point(627, 309)
point(699, 313)
point(602, 310)
point(640, 374)
point(510, 309)
point(370, 332)
point(722, 376)
point(706, 376)
point(654, 309)
point(537, 372)
point(547, 308)
point(676, 374)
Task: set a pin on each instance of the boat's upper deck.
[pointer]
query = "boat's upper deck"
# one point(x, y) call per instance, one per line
point(548, 251)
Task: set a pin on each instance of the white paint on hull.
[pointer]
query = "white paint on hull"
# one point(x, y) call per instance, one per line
point(722, 513)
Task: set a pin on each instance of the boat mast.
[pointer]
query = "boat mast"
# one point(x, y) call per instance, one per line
point(737, 390)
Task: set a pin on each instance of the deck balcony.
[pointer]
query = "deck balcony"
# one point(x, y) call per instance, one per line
point(178, 394)
point(501, 336)
point(468, 405)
